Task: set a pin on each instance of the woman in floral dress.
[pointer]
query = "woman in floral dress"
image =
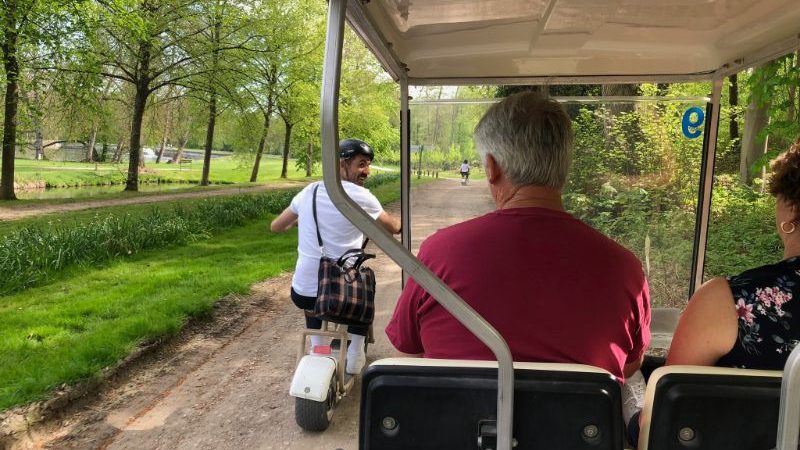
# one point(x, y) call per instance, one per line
point(751, 320)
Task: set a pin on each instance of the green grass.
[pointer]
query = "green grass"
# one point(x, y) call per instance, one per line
point(71, 329)
point(225, 170)
point(89, 317)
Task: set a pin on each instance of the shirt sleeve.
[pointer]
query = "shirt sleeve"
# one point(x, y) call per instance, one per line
point(370, 204)
point(297, 200)
point(403, 329)
point(641, 331)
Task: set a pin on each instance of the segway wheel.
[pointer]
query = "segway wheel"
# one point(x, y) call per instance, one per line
point(311, 415)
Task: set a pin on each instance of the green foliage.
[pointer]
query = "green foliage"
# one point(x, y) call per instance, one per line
point(30, 255)
point(742, 229)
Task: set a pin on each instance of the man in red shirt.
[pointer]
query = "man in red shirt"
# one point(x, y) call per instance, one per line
point(556, 289)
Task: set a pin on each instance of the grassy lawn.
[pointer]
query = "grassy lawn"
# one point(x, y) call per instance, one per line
point(223, 170)
point(89, 317)
point(72, 328)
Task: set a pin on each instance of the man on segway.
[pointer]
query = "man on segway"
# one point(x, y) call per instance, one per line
point(337, 235)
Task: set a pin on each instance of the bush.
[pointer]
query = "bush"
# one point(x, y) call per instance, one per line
point(29, 256)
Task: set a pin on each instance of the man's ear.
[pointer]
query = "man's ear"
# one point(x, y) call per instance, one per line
point(493, 172)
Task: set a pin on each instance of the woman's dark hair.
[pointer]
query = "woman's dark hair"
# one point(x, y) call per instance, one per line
point(786, 176)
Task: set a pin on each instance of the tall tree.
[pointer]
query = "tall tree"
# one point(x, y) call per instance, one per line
point(148, 44)
point(227, 39)
point(290, 54)
point(26, 27)
point(756, 118)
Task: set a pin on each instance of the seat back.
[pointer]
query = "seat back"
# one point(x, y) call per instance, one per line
point(710, 408)
point(438, 404)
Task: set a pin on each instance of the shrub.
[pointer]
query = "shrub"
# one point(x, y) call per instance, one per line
point(30, 255)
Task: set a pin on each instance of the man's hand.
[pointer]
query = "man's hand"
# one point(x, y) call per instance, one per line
point(389, 222)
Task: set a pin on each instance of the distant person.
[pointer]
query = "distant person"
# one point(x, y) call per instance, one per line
point(465, 171)
point(338, 235)
point(556, 289)
point(750, 320)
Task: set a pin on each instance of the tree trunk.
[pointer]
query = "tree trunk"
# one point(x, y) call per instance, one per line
point(11, 65)
point(309, 159)
point(181, 144)
point(756, 117)
point(38, 142)
point(212, 103)
point(631, 165)
point(161, 147)
point(286, 139)
point(92, 140)
point(212, 121)
point(118, 151)
point(139, 103)
point(733, 95)
point(791, 113)
point(260, 151)
point(436, 122)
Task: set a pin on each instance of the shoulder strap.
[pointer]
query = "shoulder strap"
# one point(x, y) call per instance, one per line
point(316, 224)
point(314, 208)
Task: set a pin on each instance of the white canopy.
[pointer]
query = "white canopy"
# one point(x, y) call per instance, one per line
point(462, 41)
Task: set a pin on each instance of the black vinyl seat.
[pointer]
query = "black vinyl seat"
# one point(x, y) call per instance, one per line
point(710, 408)
point(414, 403)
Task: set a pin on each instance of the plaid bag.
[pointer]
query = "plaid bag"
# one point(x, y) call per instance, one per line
point(346, 290)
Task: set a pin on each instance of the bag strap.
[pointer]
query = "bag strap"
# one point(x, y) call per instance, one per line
point(316, 224)
point(356, 253)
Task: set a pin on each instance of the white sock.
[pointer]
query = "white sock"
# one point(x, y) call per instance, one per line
point(356, 344)
point(316, 340)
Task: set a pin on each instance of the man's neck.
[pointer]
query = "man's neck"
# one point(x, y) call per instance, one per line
point(529, 196)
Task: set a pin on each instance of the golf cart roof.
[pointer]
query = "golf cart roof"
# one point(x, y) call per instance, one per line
point(573, 41)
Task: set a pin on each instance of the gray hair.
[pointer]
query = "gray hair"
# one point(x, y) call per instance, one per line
point(530, 137)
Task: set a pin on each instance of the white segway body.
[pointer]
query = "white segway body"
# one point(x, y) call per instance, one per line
point(312, 378)
point(320, 381)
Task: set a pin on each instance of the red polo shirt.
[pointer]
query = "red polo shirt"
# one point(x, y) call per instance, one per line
point(556, 289)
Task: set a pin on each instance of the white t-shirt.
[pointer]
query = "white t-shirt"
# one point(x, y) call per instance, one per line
point(465, 167)
point(338, 234)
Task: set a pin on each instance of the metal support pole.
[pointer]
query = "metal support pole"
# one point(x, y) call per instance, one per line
point(706, 186)
point(402, 256)
point(789, 415)
point(405, 168)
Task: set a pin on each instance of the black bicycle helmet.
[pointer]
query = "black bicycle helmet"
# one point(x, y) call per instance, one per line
point(351, 147)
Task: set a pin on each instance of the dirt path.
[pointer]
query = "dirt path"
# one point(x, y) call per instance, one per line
point(224, 383)
point(19, 212)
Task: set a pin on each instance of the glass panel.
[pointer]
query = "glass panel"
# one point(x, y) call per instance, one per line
point(634, 177)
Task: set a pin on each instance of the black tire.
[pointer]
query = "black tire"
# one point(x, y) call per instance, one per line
point(311, 415)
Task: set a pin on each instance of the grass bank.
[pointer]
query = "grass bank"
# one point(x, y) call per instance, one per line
point(89, 319)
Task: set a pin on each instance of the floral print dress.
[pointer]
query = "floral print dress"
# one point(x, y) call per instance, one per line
point(768, 315)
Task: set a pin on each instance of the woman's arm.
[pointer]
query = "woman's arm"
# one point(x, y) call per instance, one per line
point(708, 328)
point(284, 222)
